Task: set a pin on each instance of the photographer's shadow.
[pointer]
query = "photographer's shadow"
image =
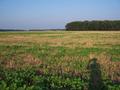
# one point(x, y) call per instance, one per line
point(95, 81)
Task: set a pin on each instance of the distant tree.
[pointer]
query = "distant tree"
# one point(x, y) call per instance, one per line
point(105, 25)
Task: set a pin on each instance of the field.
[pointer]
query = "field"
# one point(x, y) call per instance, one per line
point(60, 60)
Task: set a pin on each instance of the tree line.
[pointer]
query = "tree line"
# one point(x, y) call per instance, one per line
point(105, 25)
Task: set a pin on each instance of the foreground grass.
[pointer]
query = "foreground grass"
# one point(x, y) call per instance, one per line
point(60, 60)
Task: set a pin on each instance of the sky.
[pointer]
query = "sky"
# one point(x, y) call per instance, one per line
point(54, 14)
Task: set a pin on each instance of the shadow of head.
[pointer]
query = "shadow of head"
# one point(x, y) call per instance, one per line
point(93, 64)
point(94, 60)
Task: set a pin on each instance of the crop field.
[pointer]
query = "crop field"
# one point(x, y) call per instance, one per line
point(60, 60)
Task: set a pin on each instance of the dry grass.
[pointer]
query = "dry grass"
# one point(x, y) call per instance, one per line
point(111, 69)
point(65, 63)
point(25, 60)
point(73, 39)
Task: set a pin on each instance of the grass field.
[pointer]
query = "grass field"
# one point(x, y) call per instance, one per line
point(60, 60)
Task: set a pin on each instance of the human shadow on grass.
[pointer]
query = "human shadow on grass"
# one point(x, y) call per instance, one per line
point(95, 81)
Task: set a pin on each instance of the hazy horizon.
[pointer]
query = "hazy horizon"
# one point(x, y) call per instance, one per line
point(54, 14)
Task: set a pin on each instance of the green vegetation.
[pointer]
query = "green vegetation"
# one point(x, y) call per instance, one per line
point(94, 26)
point(59, 60)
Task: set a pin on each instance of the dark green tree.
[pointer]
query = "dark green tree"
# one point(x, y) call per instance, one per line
point(95, 25)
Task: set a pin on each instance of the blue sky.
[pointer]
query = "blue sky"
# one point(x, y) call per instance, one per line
point(44, 14)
